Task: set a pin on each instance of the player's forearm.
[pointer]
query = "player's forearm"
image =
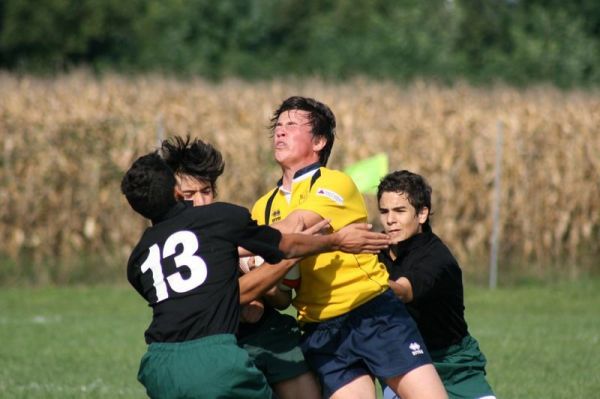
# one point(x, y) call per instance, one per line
point(354, 238)
point(277, 298)
point(301, 245)
point(258, 281)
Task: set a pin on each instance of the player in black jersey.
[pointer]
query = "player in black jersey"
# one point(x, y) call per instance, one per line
point(427, 278)
point(270, 337)
point(186, 266)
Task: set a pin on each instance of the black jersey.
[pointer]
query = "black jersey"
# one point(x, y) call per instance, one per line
point(437, 306)
point(186, 267)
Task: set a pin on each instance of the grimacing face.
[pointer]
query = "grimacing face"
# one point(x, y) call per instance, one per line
point(200, 192)
point(399, 218)
point(293, 143)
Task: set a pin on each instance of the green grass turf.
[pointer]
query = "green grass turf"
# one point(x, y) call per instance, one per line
point(85, 342)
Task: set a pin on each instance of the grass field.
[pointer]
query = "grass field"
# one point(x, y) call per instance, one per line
point(542, 341)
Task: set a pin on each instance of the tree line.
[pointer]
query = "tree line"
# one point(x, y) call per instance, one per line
point(482, 41)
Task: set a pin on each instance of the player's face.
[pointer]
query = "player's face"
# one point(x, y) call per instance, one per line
point(200, 192)
point(399, 218)
point(293, 142)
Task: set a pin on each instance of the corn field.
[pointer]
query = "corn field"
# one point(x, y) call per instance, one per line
point(67, 141)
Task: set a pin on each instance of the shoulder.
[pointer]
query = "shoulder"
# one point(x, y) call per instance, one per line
point(216, 214)
point(436, 254)
point(226, 210)
point(263, 199)
point(335, 175)
point(440, 247)
point(335, 180)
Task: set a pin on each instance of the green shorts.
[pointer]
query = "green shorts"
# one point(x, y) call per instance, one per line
point(274, 348)
point(462, 370)
point(208, 367)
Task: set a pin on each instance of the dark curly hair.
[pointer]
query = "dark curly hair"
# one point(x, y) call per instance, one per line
point(194, 158)
point(149, 186)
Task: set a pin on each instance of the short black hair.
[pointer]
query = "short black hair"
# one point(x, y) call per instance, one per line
point(149, 186)
point(194, 158)
point(414, 186)
point(320, 116)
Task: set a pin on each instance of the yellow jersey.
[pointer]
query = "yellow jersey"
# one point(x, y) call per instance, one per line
point(332, 283)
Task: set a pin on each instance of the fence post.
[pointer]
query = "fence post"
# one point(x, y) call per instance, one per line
point(160, 129)
point(496, 206)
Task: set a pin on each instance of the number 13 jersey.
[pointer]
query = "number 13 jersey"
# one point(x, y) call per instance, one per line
point(186, 266)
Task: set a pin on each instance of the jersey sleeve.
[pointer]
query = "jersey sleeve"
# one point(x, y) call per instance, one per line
point(246, 233)
point(334, 196)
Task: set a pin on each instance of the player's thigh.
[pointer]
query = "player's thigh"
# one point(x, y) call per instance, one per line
point(421, 382)
point(274, 348)
point(462, 370)
point(387, 338)
point(205, 368)
point(361, 387)
point(304, 386)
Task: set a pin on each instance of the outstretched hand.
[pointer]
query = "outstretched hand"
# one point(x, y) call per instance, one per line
point(358, 238)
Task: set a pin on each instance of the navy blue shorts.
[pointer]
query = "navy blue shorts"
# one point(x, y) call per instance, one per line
point(378, 338)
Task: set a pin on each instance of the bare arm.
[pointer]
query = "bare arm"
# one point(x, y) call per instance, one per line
point(256, 284)
point(354, 238)
point(277, 298)
point(258, 281)
point(403, 289)
point(295, 219)
point(297, 224)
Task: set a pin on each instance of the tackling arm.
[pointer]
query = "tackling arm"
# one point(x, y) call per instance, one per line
point(354, 238)
point(297, 220)
point(258, 281)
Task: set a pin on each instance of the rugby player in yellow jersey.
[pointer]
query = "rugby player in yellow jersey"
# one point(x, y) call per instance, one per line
point(355, 329)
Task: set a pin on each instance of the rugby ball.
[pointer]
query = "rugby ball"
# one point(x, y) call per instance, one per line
point(291, 280)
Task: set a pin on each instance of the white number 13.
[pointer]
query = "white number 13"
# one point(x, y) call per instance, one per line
point(186, 258)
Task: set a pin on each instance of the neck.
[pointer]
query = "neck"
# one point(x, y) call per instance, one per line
point(288, 173)
point(288, 177)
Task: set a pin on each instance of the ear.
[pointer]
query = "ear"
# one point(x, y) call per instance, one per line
point(423, 215)
point(319, 143)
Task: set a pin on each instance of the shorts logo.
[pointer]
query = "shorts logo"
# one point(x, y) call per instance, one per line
point(415, 349)
point(332, 195)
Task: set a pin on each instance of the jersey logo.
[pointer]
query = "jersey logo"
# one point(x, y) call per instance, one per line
point(276, 216)
point(332, 195)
